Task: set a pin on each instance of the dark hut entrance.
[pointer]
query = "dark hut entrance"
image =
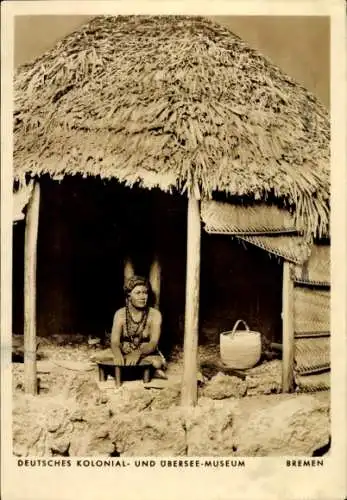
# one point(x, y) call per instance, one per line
point(239, 282)
point(89, 228)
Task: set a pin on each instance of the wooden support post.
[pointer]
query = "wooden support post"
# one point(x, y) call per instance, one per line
point(102, 374)
point(146, 375)
point(30, 257)
point(118, 376)
point(191, 327)
point(128, 269)
point(154, 279)
point(287, 328)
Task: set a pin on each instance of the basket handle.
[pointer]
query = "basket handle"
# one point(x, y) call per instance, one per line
point(237, 324)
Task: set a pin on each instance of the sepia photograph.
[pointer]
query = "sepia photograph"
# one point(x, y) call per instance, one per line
point(171, 241)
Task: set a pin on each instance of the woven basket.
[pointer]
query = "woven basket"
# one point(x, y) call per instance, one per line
point(240, 348)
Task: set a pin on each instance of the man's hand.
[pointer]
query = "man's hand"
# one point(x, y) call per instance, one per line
point(118, 359)
point(132, 358)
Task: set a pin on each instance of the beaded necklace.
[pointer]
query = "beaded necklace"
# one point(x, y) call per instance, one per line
point(135, 328)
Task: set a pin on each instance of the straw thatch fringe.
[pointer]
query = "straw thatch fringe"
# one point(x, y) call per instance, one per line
point(180, 97)
point(225, 218)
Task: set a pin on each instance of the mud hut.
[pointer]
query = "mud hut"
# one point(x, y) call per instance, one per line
point(182, 109)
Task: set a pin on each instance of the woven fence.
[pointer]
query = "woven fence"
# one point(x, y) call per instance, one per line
point(316, 270)
point(311, 311)
point(312, 339)
point(313, 382)
point(312, 355)
point(226, 218)
point(289, 247)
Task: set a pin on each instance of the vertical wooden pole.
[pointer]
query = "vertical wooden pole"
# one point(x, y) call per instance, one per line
point(30, 259)
point(191, 327)
point(154, 279)
point(118, 376)
point(128, 269)
point(287, 328)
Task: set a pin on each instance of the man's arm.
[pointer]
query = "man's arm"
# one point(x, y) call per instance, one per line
point(148, 347)
point(115, 338)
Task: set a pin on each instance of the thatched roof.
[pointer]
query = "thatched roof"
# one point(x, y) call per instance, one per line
point(174, 102)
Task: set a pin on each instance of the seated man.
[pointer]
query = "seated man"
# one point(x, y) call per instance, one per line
point(136, 329)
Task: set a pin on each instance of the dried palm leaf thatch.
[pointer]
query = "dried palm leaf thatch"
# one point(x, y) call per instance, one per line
point(311, 310)
point(316, 270)
point(180, 98)
point(289, 247)
point(227, 218)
